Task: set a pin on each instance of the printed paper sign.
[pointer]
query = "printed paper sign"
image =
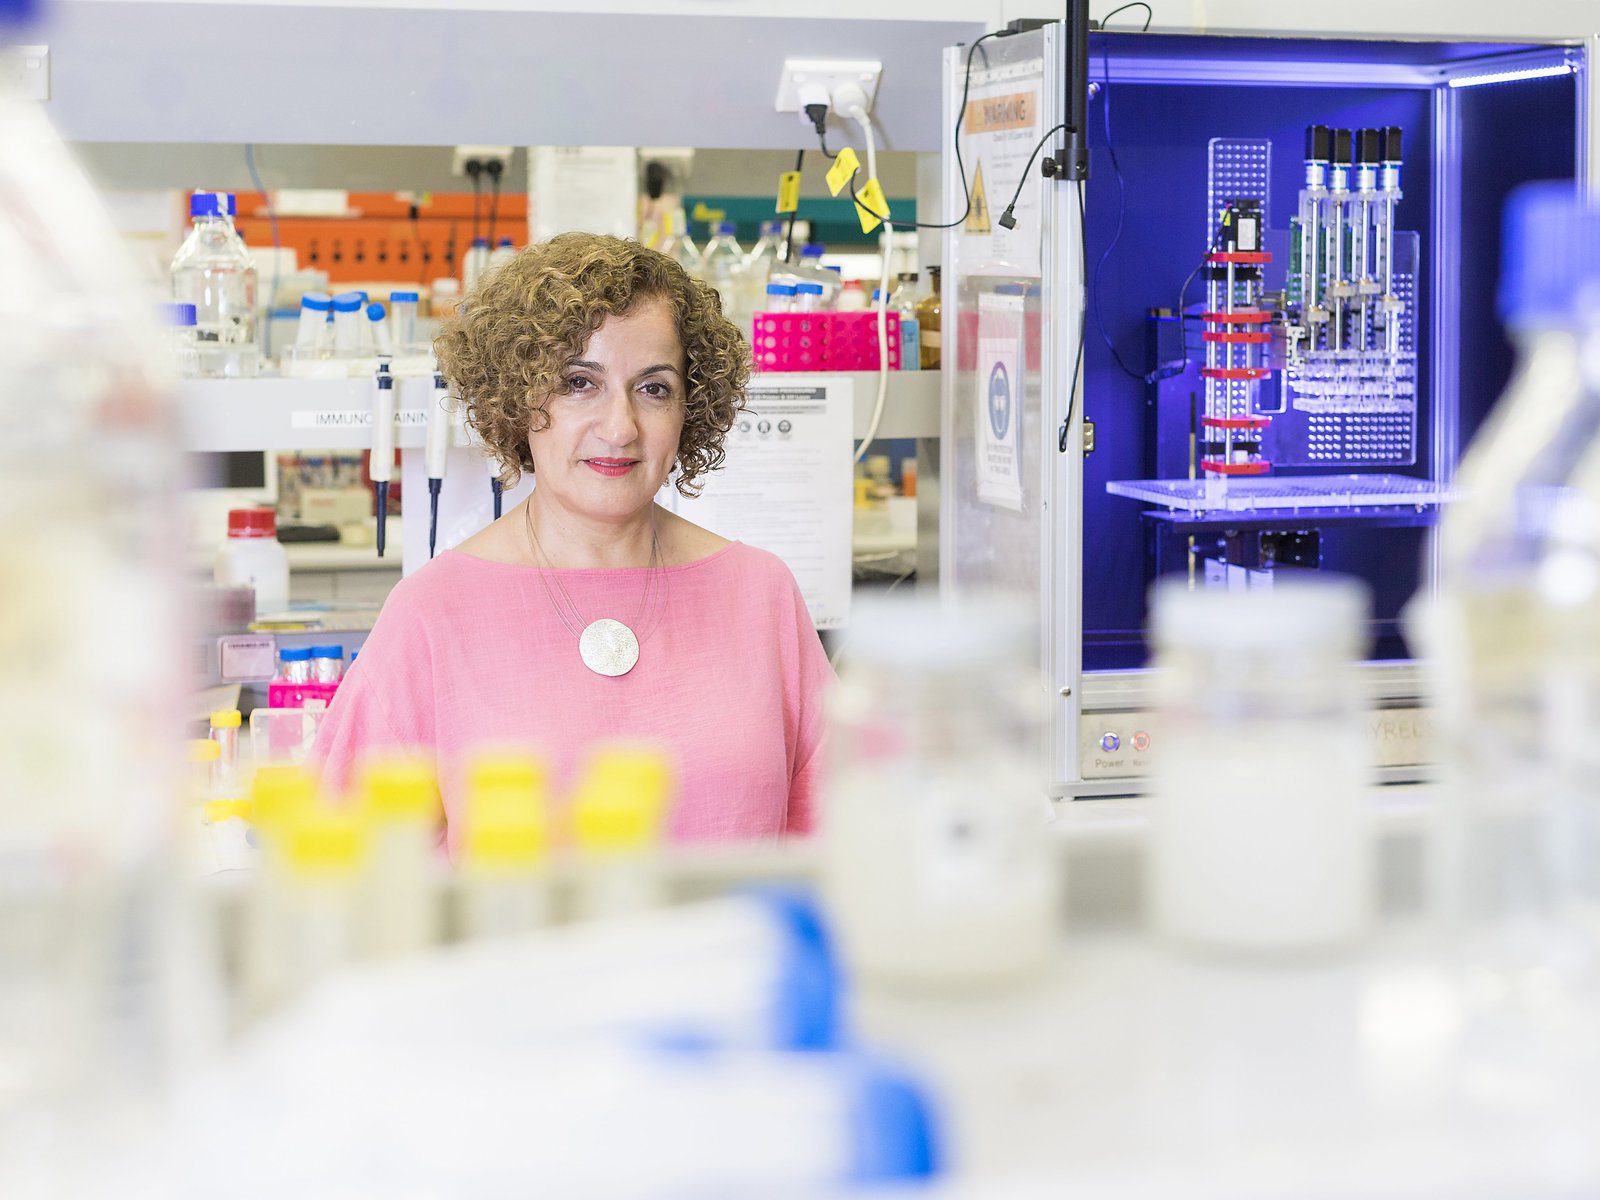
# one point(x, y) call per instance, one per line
point(998, 410)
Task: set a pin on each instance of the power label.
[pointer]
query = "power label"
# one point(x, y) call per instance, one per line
point(844, 166)
point(788, 192)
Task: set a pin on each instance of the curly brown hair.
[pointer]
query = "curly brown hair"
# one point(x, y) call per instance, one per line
point(506, 351)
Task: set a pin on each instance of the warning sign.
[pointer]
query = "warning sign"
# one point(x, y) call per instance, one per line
point(996, 113)
point(978, 217)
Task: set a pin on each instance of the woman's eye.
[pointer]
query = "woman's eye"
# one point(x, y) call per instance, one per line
point(579, 383)
point(658, 391)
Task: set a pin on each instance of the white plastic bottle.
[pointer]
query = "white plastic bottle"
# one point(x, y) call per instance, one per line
point(679, 246)
point(214, 272)
point(1260, 824)
point(937, 858)
point(1489, 633)
point(810, 270)
point(721, 266)
point(253, 557)
point(903, 300)
point(503, 252)
point(474, 263)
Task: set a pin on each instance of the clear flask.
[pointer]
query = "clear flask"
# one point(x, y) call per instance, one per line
point(214, 272)
point(938, 857)
point(1511, 560)
point(722, 266)
point(1260, 826)
point(679, 246)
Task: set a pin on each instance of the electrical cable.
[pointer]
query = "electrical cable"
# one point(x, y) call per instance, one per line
point(1149, 14)
point(1077, 358)
point(1007, 217)
point(863, 118)
point(788, 236)
point(494, 169)
point(277, 246)
point(1122, 209)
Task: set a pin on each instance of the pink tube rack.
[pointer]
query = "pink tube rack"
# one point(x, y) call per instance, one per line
point(821, 341)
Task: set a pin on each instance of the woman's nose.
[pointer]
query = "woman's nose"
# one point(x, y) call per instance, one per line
point(617, 424)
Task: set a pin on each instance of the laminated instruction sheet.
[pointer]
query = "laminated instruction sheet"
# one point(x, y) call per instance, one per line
point(786, 485)
point(998, 408)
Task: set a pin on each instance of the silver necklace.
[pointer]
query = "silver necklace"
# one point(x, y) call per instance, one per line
point(607, 646)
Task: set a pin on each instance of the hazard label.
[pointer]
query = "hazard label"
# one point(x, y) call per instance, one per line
point(978, 217)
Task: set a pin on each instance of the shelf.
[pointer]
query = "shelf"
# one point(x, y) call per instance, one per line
point(1288, 494)
point(336, 414)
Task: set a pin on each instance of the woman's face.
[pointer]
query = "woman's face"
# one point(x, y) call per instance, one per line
point(613, 434)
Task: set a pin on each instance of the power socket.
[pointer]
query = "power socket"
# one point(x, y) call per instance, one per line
point(807, 79)
point(483, 154)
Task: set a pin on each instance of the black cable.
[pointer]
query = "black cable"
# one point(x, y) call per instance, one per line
point(1149, 14)
point(1077, 359)
point(495, 168)
point(1122, 209)
point(788, 237)
point(1007, 217)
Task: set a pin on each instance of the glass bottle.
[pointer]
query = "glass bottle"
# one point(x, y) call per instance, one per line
point(928, 310)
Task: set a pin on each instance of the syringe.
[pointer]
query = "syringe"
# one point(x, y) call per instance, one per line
point(437, 451)
point(381, 468)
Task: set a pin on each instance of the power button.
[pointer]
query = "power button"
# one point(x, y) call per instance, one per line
point(1109, 742)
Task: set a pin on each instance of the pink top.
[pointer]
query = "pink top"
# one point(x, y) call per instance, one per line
point(730, 680)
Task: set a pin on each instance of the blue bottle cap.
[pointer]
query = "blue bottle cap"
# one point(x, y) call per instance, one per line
point(296, 654)
point(327, 652)
point(877, 294)
point(808, 994)
point(771, 228)
point(480, 241)
point(175, 315)
point(808, 289)
point(780, 289)
point(507, 243)
point(812, 250)
point(212, 204)
point(726, 229)
point(316, 302)
point(835, 269)
point(347, 302)
point(894, 1133)
point(1551, 255)
point(374, 311)
point(404, 297)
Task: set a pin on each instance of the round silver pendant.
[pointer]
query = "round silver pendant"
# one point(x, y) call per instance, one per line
point(608, 647)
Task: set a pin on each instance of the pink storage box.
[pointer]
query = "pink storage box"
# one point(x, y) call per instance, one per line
point(824, 341)
point(295, 695)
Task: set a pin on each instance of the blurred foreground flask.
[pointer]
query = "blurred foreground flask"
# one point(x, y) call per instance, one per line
point(940, 859)
point(1259, 838)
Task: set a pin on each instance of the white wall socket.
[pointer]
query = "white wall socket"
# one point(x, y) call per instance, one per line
point(463, 154)
point(825, 74)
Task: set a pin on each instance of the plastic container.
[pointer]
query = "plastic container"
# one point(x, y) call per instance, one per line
point(1510, 631)
point(722, 265)
point(619, 816)
point(1260, 822)
point(937, 858)
point(347, 323)
point(474, 263)
point(315, 310)
point(403, 318)
point(903, 300)
point(294, 664)
point(852, 297)
point(214, 272)
point(679, 246)
point(178, 338)
point(252, 557)
point(400, 796)
point(780, 298)
point(503, 252)
point(808, 297)
point(505, 848)
point(225, 725)
point(327, 664)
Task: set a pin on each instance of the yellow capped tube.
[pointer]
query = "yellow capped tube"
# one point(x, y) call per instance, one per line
point(618, 819)
point(506, 846)
point(400, 796)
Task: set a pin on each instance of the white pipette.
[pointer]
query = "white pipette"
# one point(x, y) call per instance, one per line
point(437, 451)
point(381, 468)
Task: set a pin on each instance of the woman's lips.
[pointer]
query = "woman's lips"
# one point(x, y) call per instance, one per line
point(611, 466)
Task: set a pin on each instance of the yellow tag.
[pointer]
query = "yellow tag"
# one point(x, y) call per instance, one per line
point(703, 213)
point(872, 207)
point(844, 166)
point(788, 192)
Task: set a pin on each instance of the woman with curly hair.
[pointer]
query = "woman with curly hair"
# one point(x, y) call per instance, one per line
point(587, 612)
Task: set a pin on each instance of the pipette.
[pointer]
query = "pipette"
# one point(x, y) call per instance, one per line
point(380, 331)
point(495, 485)
point(437, 451)
point(381, 468)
